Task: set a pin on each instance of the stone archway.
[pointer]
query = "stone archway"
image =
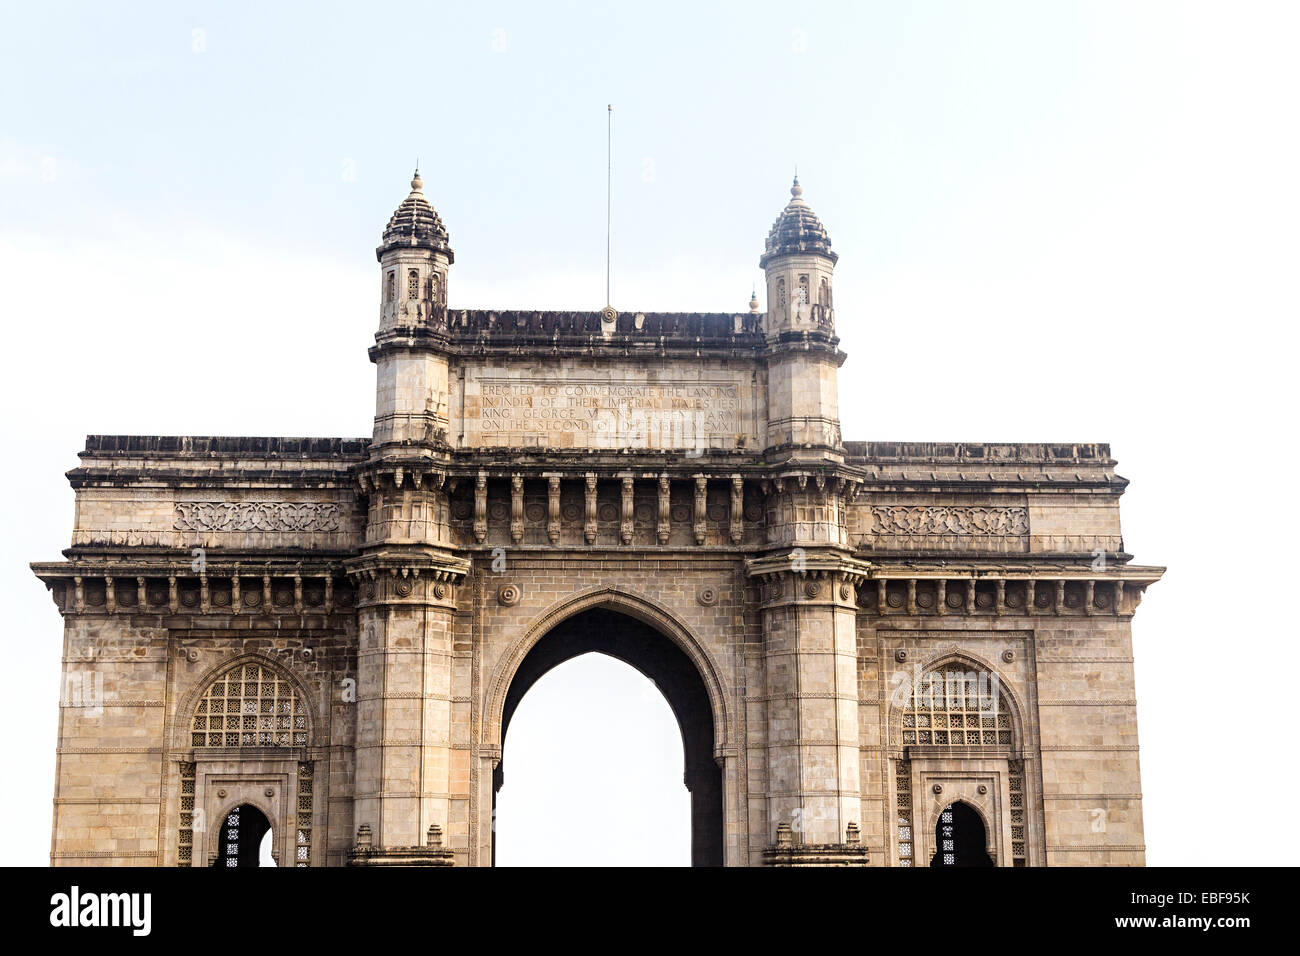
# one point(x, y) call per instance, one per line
point(629, 639)
point(960, 837)
point(239, 839)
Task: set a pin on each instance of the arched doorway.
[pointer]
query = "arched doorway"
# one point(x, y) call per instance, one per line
point(634, 642)
point(960, 838)
point(244, 833)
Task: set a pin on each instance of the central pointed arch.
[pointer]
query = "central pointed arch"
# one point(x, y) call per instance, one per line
point(635, 606)
point(649, 638)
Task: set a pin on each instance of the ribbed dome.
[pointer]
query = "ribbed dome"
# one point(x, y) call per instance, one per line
point(416, 223)
point(797, 229)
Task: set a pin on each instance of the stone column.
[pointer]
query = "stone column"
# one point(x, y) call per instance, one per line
point(406, 778)
point(810, 638)
point(404, 736)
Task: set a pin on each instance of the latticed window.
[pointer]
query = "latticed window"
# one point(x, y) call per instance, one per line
point(947, 856)
point(185, 850)
point(1016, 784)
point(412, 284)
point(302, 856)
point(903, 806)
point(954, 707)
point(230, 838)
point(250, 706)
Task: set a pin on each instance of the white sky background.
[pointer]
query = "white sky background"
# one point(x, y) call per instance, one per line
point(1068, 222)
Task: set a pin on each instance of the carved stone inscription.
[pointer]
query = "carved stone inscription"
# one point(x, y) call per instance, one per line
point(597, 414)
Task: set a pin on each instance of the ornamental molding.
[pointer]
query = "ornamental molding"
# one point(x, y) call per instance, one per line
point(258, 516)
point(949, 633)
point(927, 520)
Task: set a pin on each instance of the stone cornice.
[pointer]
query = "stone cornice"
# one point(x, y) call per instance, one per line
point(219, 590)
point(207, 446)
point(180, 565)
point(977, 453)
point(435, 564)
point(1032, 568)
point(325, 463)
point(813, 562)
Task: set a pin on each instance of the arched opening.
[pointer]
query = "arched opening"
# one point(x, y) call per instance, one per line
point(249, 713)
point(595, 757)
point(655, 655)
point(960, 838)
point(243, 838)
point(265, 851)
point(957, 711)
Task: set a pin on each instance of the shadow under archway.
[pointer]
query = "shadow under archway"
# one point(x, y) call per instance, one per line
point(241, 836)
point(654, 654)
point(959, 838)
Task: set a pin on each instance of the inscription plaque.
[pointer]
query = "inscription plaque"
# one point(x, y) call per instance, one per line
point(588, 413)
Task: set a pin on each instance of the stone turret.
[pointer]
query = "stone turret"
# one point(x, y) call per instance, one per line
point(803, 402)
point(411, 370)
point(414, 257)
point(799, 265)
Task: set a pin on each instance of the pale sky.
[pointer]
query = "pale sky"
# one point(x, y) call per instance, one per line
point(1055, 221)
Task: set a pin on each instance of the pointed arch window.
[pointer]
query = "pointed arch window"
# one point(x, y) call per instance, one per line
point(413, 284)
point(956, 707)
point(250, 705)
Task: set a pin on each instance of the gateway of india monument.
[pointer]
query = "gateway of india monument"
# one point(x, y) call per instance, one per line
point(879, 653)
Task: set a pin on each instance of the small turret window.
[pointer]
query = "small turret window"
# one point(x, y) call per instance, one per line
point(433, 289)
point(824, 294)
point(413, 284)
point(780, 292)
point(390, 287)
point(803, 290)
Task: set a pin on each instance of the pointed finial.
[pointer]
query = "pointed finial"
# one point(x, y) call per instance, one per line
point(417, 184)
point(753, 301)
point(796, 191)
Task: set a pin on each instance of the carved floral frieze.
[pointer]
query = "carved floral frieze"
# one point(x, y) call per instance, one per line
point(922, 520)
point(258, 516)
